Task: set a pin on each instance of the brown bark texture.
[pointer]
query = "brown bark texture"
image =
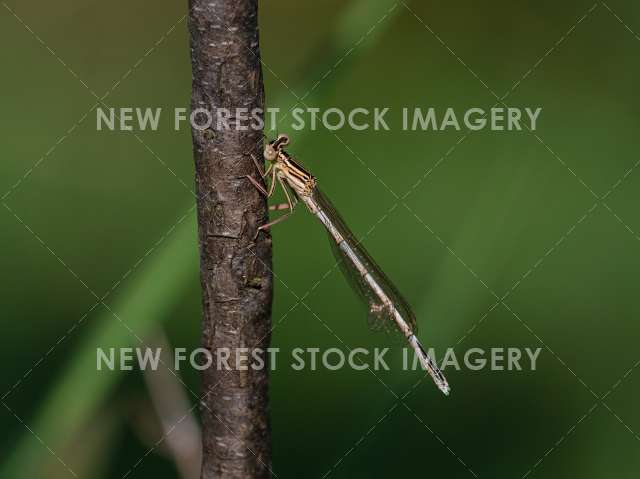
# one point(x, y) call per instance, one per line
point(235, 266)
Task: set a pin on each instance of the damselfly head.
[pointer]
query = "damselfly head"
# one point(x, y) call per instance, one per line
point(270, 153)
point(274, 147)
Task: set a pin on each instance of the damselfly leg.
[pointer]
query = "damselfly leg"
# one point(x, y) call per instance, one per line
point(263, 174)
point(257, 185)
point(260, 167)
point(289, 205)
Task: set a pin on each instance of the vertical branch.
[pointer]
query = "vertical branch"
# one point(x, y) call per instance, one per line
point(235, 270)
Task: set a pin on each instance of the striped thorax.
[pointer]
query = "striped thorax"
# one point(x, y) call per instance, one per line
point(287, 169)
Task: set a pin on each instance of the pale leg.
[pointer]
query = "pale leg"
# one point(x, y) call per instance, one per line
point(258, 186)
point(261, 167)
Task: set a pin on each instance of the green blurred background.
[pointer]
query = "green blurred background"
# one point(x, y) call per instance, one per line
point(99, 242)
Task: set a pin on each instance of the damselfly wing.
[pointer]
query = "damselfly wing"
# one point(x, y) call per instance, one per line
point(379, 316)
point(385, 305)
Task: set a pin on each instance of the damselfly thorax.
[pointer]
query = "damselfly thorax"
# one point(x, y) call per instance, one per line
point(286, 169)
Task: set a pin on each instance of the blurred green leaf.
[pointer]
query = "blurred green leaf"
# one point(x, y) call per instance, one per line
point(142, 304)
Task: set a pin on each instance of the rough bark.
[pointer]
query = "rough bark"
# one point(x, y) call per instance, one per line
point(235, 270)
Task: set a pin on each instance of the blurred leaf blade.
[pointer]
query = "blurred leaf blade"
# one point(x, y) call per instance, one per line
point(142, 304)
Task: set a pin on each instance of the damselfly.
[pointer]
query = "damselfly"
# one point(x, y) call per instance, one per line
point(386, 307)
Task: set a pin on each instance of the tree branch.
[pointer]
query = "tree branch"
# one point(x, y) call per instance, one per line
point(235, 271)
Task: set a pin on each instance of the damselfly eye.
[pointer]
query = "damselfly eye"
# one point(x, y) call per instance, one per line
point(272, 148)
point(270, 153)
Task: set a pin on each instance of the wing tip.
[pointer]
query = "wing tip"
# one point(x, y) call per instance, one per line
point(432, 368)
point(446, 390)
